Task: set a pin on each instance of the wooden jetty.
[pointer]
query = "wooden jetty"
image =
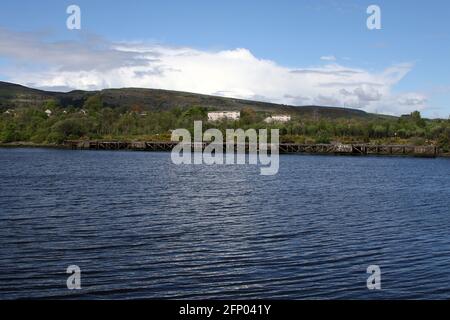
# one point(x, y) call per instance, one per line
point(284, 148)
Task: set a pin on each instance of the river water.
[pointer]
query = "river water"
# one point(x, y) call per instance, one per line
point(139, 226)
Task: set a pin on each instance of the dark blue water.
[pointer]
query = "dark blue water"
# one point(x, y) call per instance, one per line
point(140, 227)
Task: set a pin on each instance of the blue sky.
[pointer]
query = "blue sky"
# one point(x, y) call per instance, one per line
point(290, 35)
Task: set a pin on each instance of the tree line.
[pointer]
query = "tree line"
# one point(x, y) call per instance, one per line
point(95, 121)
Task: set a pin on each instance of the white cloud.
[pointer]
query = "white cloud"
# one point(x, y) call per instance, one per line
point(92, 63)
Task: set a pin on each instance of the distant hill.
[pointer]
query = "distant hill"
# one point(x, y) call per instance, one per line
point(14, 96)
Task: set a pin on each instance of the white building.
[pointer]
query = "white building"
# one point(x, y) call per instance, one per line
point(48, 112)
point(221, 115)
point(278, 118)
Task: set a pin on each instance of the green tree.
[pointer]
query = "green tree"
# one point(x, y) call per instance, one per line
point(93, 104)
point(248, 116)
point(417, 119)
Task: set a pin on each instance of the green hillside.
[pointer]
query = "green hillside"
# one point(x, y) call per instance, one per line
point(16, 96)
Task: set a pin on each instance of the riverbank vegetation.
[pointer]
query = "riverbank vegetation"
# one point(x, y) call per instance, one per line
point(95, 121)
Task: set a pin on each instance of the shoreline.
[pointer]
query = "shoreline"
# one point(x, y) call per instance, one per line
point(24, 145)
point(32, 145)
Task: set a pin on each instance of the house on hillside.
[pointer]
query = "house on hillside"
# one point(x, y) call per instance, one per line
point(224, 115)
point(278, 118)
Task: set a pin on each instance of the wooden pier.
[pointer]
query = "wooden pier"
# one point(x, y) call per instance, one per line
point(284, 148)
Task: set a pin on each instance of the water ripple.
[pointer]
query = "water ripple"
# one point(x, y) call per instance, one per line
point(141, 227)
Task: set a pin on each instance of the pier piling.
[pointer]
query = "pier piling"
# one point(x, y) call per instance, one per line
point(284, 148)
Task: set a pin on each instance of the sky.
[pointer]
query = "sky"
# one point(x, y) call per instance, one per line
point(299, 52)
